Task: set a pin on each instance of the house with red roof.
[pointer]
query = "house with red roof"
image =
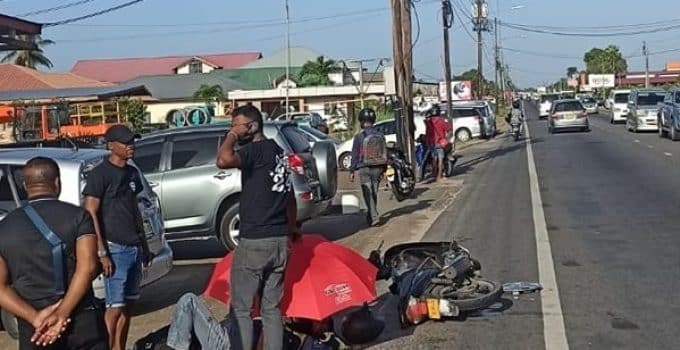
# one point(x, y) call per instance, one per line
point(15, 78)
point(118, 70)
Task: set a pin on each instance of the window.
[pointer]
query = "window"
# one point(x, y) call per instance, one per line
point(650, 98)
point(621, 98)
point(148, 157)
point(568, 106)
point(387, 128)
point(464, 112)
point(187, 153)
point(5, 189)
point(195, 66)
point(296, 139)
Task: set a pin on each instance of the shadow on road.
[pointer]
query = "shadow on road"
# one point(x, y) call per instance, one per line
point(406, 210)
point(469, 165)
point(166, 291)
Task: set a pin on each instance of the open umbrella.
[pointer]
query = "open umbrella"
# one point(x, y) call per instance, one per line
point(321, 279)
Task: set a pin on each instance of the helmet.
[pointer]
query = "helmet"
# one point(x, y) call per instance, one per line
point(515, 104)
point(434, 111)
point(357, 325)
point(367, 115)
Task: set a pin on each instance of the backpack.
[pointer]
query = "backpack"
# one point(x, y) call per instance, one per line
point(374, 150)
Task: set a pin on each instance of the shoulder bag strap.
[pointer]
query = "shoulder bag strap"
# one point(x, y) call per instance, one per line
point(56, 243)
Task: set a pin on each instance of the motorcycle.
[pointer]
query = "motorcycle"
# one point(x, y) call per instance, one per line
point(425, 159)
point(516, 130)
point(399, 174)
point(434, 280)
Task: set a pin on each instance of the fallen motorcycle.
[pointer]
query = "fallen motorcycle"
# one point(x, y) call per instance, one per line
point(434, 280)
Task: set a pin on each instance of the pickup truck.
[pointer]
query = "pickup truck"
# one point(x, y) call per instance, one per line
point(669, 115)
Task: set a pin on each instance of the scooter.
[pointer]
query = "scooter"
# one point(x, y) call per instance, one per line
point(399, 174)
point(434, 280)
point(516, 130)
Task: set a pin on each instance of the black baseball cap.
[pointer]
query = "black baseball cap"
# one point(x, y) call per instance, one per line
point(119, 133)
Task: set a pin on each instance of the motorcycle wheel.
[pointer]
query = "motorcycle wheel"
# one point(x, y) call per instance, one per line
point(398, 194)
point(478, 296)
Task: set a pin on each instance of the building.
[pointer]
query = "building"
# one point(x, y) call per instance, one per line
point(11, 30)
point(15, 78)
point(119, 70)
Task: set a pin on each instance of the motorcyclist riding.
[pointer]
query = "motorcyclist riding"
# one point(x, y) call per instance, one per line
point(517, 116)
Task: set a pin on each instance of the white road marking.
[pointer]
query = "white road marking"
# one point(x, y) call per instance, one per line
point(636, 141)
point(650, 146)
point(554, 333)
point(667, 154)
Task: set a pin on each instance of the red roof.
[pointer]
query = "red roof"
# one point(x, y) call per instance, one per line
point(13, 78)
point(124, 69)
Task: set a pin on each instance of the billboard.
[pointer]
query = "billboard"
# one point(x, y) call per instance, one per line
point(601, 80)
point(460, 90)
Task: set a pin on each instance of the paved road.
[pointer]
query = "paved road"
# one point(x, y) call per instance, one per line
point(611, 201)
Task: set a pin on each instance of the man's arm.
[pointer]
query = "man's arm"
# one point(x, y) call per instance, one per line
point(86, 267)
point(356, 153)
point(92, 205)
point(227, 157)
point(291, 213)
point(10, 301)
point(141, 234)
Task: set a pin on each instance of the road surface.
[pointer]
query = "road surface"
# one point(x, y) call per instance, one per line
point(610, 200)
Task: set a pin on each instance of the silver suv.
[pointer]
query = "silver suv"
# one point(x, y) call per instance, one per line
point(201, 200)
point(75, 166)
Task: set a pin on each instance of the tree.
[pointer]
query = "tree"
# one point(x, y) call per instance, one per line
point(473, 77)
point(30, 58)
point(315, 73)
point(209, 93)
point(605, 61)
point(571, 71)
point(134, 111)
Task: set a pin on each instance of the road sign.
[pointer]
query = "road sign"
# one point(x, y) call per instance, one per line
point(601, 80)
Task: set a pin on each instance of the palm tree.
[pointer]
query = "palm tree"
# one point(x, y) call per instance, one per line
point(30, 58)
point(315, 73)
point(209, 93)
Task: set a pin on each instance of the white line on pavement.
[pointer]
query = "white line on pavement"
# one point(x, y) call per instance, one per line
point(650, 146)
point(667, 154)
point(554, 333)
point(636, 141)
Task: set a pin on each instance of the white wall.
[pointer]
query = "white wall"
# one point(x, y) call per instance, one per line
point(185, 69)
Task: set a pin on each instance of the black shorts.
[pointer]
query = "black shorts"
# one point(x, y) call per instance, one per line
point(87, 331)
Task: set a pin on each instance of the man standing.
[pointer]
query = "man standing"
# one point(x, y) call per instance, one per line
point(438, 132)
point(369, 157)
point(268, 215)
point(111, 198)
point(48, 259)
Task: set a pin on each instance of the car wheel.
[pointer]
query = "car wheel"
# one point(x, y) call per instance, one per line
point(662, 133)
point(345, 161)
point(463, 135)
point(229, 226)
point(674, 134)
point(9, 322)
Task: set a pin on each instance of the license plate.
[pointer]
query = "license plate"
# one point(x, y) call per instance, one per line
point(570, 116)
point(433, 309)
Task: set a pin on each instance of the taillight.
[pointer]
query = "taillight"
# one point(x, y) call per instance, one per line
point(296, 163)
point(307, 196)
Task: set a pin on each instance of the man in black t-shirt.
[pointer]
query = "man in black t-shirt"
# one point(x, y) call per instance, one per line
point(52, 297)
point(268, 218)
point(111, 198)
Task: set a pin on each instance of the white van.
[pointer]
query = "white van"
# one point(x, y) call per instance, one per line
point(619, 106)
point(546, 104)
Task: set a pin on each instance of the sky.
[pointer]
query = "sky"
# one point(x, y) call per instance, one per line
point(350, 29)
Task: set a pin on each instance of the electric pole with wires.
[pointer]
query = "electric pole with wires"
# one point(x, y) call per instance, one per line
point(402, 52)
point(447, 23)
point(645, 51)
point(481, 24)
point(497, 61)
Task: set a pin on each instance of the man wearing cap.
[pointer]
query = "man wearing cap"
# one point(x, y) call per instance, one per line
point(111, 198)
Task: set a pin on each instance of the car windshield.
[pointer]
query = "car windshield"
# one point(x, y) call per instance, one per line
point(570, 106)
point(548, 98)
point(650, 98)
point(621, 98)
point(588, 100)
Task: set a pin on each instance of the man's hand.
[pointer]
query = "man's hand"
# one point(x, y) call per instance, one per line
point(239, 130)
point(49, 324)
point(351, 176)
point(107, 266)
point(147, 257)
point(294, 234)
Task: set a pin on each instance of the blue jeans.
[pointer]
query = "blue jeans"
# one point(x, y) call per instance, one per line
point(438, 152)
point(124, 284)
point(192, 317)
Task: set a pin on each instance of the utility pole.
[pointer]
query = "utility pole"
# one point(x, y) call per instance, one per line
point(480, 25)
point(447, 23)
point(403, 70)
point(497, 60)
point(287, 60)
point(645, 51)
point(361, 83)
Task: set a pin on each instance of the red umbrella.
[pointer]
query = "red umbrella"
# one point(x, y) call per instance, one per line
point(321, 279)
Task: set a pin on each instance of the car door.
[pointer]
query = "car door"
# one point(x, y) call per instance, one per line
point(193, 186)
point(149, 159)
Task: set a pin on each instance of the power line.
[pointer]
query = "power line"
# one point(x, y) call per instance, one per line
point(55, 8)
point(539, 54)
point(576, 34)
point(93, 14)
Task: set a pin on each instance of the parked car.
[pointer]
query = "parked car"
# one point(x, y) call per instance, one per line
point(546, 104)
point(643, 108)
point(467, 123)
point(568, 114)
point(488, 117)
point(669, 115)
point(313, 119)
point(75, 165)
point(619, 106)
point(200, 200)
point(387, 128)
point(589, 103)
point(314, 135)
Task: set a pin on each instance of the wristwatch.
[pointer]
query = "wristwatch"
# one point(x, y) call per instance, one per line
point(102, 253)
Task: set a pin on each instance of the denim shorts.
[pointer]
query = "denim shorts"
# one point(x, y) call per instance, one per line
point(438, 153)
point(124, 284)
